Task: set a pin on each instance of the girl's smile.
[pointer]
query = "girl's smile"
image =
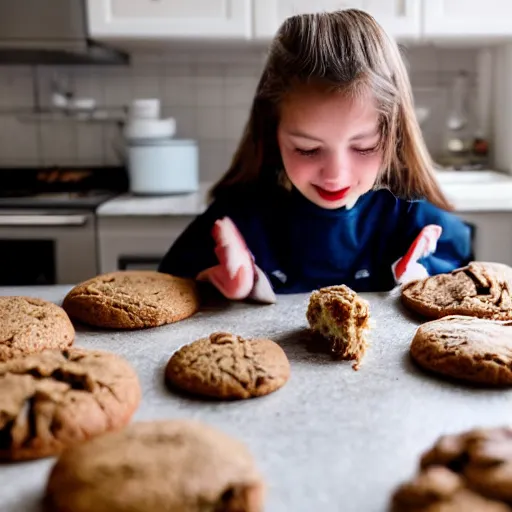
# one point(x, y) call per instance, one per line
point(332, 195)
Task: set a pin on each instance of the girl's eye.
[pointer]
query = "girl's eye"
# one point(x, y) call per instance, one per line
point(366, 151)
point(307, 152)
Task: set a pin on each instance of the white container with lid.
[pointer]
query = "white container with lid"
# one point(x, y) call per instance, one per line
point(163, 166)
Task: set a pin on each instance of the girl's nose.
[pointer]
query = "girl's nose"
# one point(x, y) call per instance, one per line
point(336, 169)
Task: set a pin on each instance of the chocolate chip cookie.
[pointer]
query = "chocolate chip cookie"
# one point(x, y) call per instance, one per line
point(227, 366)
point(466, 348)
point(341, 317)
point(132, 300)
point(462, 473)
point(481, 289)
point(156, 466)
point(55, 399)
point(30, 325)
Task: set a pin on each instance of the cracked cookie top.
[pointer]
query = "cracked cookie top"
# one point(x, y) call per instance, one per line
point(481, 289)
point(153, 466)
point(227, 366)
point(29, 325)
point(54, 399)
point(132, 300)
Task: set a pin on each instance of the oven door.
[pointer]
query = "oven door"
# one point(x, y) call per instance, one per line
point(47, 247)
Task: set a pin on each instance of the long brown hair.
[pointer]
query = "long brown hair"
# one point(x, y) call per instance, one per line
point(347, 51)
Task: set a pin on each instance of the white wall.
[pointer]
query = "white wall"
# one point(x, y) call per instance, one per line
point(208, 94)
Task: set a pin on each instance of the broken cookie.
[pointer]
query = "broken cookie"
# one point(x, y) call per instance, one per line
point(54, 399)
point(342, 318)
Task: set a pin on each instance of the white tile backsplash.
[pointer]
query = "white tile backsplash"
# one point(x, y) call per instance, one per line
point(18, 143)
point(89, 144)
point(236, 118)
point(211, 123)
point(186, 120)
point(179, 90)
point(208, 94)
point(59, 144)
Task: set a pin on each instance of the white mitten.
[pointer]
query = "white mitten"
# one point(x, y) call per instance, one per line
point(407, 268)
point(236, 276)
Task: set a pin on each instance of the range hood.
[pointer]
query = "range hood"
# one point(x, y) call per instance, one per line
point(52, 32)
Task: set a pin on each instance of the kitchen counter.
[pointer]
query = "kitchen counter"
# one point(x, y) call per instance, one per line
point(331, 439)
point(468, 191)
point(179, 204)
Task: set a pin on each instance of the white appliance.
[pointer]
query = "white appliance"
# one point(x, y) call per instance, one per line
point(158, 164)
point(163, 166)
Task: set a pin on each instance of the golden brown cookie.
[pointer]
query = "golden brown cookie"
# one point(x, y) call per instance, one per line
point(466, 348)
point(438, 489)
point(156, 466)
point(481, 289)
point(228, 366)
point(342, 317)
point(483, 457)
point(132, 300)
point(476, 464)
point(55, 399)
point(31, 325)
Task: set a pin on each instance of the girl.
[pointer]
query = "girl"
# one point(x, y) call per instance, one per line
point(331, 182)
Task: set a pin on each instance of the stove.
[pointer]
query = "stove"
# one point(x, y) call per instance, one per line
point(48, 222)
point(58, 188)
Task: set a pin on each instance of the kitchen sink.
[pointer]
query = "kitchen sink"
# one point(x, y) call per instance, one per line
point(476, 186)
point(472, 177)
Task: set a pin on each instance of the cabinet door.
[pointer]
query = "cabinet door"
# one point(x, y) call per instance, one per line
point(493, 235)
point(136, 242)
point(467, 18)
point(169, 19)
point(400, 18)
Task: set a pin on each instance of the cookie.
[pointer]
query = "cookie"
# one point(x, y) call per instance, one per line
point(55, 399)
point(483, 457)
point(475, 465)
point(481, 289)
point(132, 300)
point(342, 317)
point(228, 366)
point(466, 348)
point(438, 489)
point(31, 325)
point(155, 466)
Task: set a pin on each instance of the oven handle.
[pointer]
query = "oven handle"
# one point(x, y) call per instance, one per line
point(43, 220)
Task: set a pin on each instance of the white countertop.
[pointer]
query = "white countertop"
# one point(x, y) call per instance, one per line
point(179, 204)
point(331, 439)
point(468, 191)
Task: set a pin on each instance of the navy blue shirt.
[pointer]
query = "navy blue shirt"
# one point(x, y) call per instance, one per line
point(301, 246)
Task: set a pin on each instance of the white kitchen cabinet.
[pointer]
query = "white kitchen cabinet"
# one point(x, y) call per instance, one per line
point(400, 18)
point(169, 19)
point(137, 243)
point(457, 19)
point(493, 235)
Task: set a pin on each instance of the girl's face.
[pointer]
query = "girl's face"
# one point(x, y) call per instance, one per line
point(329, 145)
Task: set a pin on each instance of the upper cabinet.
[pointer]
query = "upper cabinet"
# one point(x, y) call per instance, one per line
point(400, 18)
point(170, 19)
point(456, 19)
point(405, 20)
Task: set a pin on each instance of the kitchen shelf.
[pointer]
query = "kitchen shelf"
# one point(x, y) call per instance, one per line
point(98, 115)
